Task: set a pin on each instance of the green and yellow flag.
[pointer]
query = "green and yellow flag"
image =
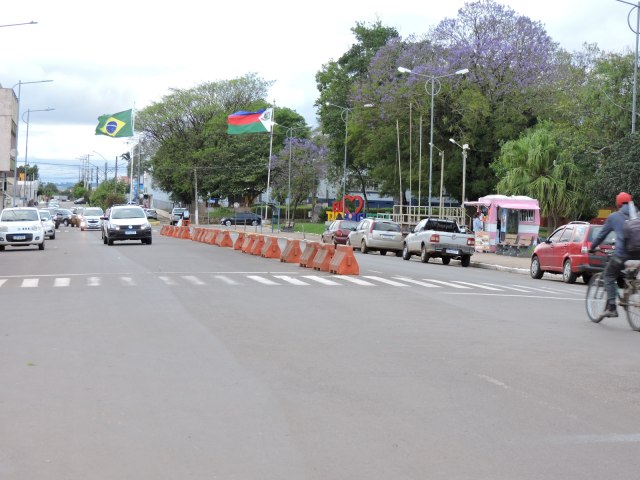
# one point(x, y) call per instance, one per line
point(117, 125)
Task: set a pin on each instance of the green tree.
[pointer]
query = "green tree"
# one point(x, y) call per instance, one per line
point(109, 193)
point(48, 190)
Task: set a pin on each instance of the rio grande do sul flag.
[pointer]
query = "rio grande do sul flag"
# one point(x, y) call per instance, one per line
point(250, 122)
point(116, 125)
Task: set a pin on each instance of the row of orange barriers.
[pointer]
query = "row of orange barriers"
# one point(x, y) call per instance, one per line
point(319, 256)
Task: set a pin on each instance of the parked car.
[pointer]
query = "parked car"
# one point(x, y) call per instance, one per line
point(338, 231)
point(242, 218)
point(151, 213)
point(21, 226)
point(80, 201)
point(439, 238)
point(62, 216)
point(89, 219)
point(126, 222)
point(566, 252)
point(48, 224)
point(377, 234)
point(176, 215)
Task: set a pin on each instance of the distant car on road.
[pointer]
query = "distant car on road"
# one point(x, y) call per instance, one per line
point(375, 234)
point(338, 231)
point(21, 226)
point(48, 224)
point(242, 218)
point(62, 216)
point(126, 222)
point(151, 213)
point(80, 201)
point(89, 219)
point(176, 215)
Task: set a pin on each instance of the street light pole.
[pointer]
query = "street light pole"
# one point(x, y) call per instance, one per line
point(15, 173)
point(464, 148)
point(26, 145)
point(440, 205)
point(636, 6)
point(432, 79)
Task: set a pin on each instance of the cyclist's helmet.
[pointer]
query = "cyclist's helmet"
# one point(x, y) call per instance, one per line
point(622, 198)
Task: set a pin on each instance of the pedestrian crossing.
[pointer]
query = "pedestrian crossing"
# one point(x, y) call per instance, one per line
point(276, 279)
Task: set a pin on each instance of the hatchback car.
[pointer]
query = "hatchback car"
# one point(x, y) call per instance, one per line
point(126, 222)
point(566, 252)
point(21, 226)
point(338, 231)
point(176, 215)
point(377, 234)
point(48, 224)
point(89, 219)
point(151, 213)
point(62, 216)
point(242, 218)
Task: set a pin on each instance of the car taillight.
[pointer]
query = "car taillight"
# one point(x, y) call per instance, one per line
point(471, 242)
point(435, 238)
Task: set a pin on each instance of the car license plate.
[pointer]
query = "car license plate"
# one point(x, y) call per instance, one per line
point(453, 251)
point(130, 232)
point(19, 237)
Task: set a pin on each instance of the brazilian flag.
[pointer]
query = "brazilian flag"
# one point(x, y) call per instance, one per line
point(117, 125)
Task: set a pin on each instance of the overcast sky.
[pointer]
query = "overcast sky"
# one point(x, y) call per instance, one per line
point(106, 57)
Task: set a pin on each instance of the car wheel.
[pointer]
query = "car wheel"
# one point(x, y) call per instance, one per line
point(53, 237)
point(398, 253)
point(41, 246)
point(465, 261)
point(109, 241)
point(535, 270)
point(104, 238)
point(148, 241)
point(567, 275)
point(228, 223)
point(81, 229)
point(446, 260)
point(1, 248)
point(405, 252)
point(363, 247)
point(586, 277)
point(66, 223)
point(254, 223)
point(383, 252)
point(424, 256)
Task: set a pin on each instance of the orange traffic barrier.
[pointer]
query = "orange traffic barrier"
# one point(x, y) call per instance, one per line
point(323, 257)
point(291, 252)
point(197, 234)
point(248, 242)
point(184, 233)
point(239, 241)
point(224, 238)
point(219, 236)
point(172, 231)
point(344, 261)
point(256, 249)
point(163, 230)
point(271, 249)
point(310, 250)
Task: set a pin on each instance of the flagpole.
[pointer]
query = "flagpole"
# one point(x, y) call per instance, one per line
point(130, 173)
point(273, 117)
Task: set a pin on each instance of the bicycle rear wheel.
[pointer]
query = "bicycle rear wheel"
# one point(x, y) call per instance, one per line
point(633, 309)
point(596, 299)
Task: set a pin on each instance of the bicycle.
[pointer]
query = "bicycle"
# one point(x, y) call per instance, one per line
point(628, 295)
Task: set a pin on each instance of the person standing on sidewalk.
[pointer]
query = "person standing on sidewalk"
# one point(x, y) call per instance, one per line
point(477, 223)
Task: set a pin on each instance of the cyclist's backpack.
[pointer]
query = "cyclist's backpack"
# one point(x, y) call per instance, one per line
point(632, 237)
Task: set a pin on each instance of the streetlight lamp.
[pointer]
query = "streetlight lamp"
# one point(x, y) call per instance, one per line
point(15, 173)
point(432, 79)
point(441, 205)
point(636, 30)
point(26, 144)
point(464, 148)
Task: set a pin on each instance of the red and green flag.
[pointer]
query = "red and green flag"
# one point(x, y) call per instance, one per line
point(250, 122)
point(116, 125)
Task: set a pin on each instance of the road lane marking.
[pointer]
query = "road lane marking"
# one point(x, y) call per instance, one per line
point(494, 381)
point(417, 282)
point(448, 284)
point(358, 281)
point(93, 281)
point(30, 282)
point(322, 280)
point(291, 280)
point(262, 280)
point(476, 285)
point(2, 281)
point(168, 280)
point(226, 279)
point(598, 438)
point(387, 281)
point(192, 279)
point(62, 282)
point(128, 281)
point(509, 288)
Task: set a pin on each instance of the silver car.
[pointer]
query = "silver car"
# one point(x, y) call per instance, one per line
point(377, 234)
point(90, 219)
point(48, 224)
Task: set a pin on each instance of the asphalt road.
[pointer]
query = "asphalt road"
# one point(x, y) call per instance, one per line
point(185, 360)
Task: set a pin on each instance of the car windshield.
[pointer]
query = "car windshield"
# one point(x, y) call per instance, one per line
point(93, 212)
point(19, 216)
point(347, 225)
point(45, 214)
point(128, 213)
point(178, 210)
point(386, 227)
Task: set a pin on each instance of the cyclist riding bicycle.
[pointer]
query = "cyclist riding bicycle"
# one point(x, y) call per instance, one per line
point(615, 223)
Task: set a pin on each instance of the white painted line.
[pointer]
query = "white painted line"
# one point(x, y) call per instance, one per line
point(226, 279)
point(193, 280)
point(448, 284)
point(291, 280)
point(494, 381)
point(127, 281)
point(509, 288)
point(476, 285)
point(322, 280)
point(62, 282)
point(264, 281)
point(93, 281)
point(30, 282)
point(2, 280)
point(358, 281)
point(386, 281)
point(544, 290)
point(168, 280)
point(417, 282)
point(599, 438)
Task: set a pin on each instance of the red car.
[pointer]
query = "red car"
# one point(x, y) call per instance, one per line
point(338, 231)
point(566, 252)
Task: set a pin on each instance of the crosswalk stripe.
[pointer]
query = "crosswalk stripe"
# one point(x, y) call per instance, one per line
point(2, 280)
point(128, 281)
point(168, 280)
point(62, 282)
point(264, 281)
point(476, 285)
point(387, 281)
point(509, 288)
point(322, 280)
point(226, 279)
point(448, 284)
point(417, 282)
point(93, 281)
point(358, 281)
point(30, 282)
point(292, 280)
point(193, 279)
point(538, 289)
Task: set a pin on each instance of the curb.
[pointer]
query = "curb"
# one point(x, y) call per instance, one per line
point(500, 268)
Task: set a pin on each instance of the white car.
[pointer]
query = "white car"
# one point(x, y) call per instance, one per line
point(21, 226)
point(90, 218)
point(48, 224)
